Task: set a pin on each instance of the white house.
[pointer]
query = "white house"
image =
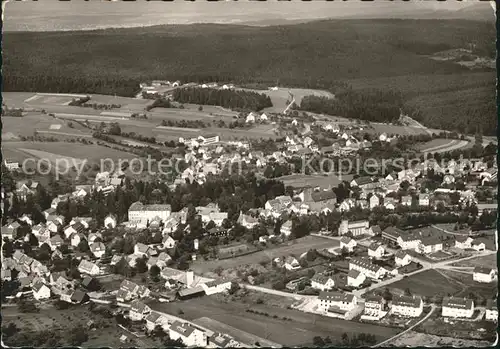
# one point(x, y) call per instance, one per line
point(402, 259)
point(336, 301)
point(251, 117)
point(98, 249)
point(216, 286)
point(374, 201)
point(156, 319)
point(457, 307)
point(463, 242)
point(138, 310)
point(383, 137)
point(322, 282)
point(189, 335)
point(423, 199)
point(491, 310)
point(263, 117)
point(408, 241)
point(483, 274)
point(40, 291)
point(286, 228)
point(86, 267)
point(355, 227)
point(110, 221)
point(168, 242)
point(355, 278)
point(291, 263)
point(140, 213)
point(77, 238)
point(430, 244)
point(374, 307)
point(376, 250)
point(366, 267)
point(407, 306)
point(141, 250)
point(247, 221)
point(478, 245)
point(348, 243)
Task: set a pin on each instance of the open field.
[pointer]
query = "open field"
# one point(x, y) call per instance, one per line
point(297, 332)
point(413, 339)
point(303, 181)
point(395, 129)
point(427, 284)
point(483, 261)
point(485, 290)
point(239, 335)
point(53, 150)
point(31, 122)
point(296, 247)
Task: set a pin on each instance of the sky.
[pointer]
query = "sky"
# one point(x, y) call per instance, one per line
point(49, 15)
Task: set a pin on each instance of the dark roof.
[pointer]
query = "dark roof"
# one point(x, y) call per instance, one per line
point(191, 291)
point(323, 195)
point(431, 240)
point(353, 274)
point(483, 270)
point(458, 303)
point(78, 296)
point(336, 296)
point(363, 180)
point(408, 301)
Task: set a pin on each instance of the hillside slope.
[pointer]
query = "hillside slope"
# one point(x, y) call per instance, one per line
point(323, 54)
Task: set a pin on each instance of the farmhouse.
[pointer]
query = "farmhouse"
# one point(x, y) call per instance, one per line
point(335, 301)
point(457, 307)
point(322, 282)
point(356, 227)
point(110, 221)
point(491, 310)
point(189, 335)
point(483, 274)
point(409, 242)
point(291, 263)
point(478, 245)
point(407, 306)
point(143, 214)
point(374, 201)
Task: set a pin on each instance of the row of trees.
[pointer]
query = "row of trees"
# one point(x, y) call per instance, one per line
point(226, 98)
point(369, 105)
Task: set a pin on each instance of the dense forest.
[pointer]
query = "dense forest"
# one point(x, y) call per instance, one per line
point(376, 106)
point(234, 99)
point(382, 54)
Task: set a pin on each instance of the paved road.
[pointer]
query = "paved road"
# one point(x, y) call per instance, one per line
point(433, 307)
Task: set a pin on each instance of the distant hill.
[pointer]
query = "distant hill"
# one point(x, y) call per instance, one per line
point(322, 54)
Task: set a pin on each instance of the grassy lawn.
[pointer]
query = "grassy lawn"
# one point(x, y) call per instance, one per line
point(470, 286)
point(427, 284)
point(301, 180)
point(482, 261)
point(434, 144)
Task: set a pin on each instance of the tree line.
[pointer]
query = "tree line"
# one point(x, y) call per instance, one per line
point(368, 105)
point(244, 100)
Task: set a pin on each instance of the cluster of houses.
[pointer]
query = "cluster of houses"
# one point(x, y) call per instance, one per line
point(376, 307)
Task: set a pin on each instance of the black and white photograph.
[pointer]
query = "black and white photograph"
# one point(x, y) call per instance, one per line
point(249, 174)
